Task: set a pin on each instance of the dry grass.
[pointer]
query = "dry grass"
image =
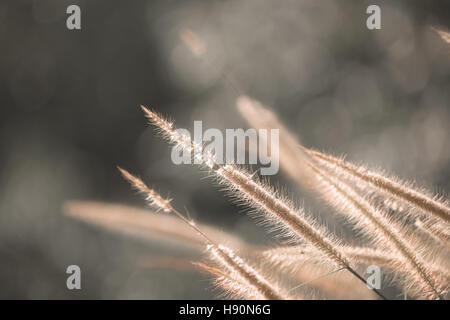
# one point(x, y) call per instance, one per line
point(445, 36)
point(379, 206)
point(374, 222)
point(242, 279)
point(318, 258)
point(276, 210)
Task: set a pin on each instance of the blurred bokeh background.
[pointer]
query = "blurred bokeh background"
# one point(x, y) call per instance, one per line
point(69, 114)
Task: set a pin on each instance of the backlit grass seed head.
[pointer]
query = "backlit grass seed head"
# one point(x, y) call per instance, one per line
point(369, 219)
point(277, 211)
point(167, 130)
point(262, 198)
point(152, 197)
point(389, 186)
point(234, 265)
point(445, 36)
point(246, 279)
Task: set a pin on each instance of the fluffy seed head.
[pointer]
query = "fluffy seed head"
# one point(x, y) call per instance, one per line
point(152, 197)
point(445, 36)
point(242, 277)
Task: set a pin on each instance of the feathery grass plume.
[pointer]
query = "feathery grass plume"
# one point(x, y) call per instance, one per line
point(307, 267)
point(388, 185)
point(148, 225)
point(445, 36)
point(289, 257)
point(300, 258)
point(232, 287)
point(294, 161)
point(428, 232)
point(152, 197)
point(433, 225)
point(235, 267)
point(382, 230)
point(357, 209)
point(294, 221)
point(242, 277)
point(261, 117)
point(259, 196)
point(434, 230)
